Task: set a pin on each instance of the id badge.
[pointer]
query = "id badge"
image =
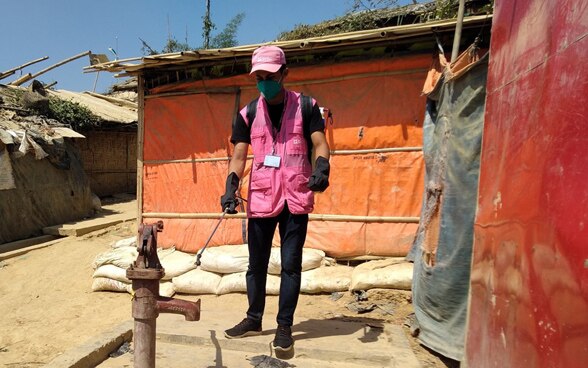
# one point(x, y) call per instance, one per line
point(271, 161)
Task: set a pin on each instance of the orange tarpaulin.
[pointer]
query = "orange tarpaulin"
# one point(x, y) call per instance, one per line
point(376, 108)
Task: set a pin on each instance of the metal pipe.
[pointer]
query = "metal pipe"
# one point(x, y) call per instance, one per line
point(458, 27)
point(144, 343)
point(145, 274)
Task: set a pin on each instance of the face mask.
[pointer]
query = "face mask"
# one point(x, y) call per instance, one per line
point(269, 88)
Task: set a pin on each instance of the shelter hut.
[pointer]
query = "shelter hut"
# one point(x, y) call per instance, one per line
point(43, 162)
point(371, 82)
point(42, 181)
point(109, 152)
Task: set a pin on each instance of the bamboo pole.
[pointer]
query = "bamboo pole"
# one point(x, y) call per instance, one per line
point(249, 157)
point(140, 141)
point(52, 67)
point(222, 90)
point(21, 80)
point(306, 82)
point(376, 150)
point(10, 72)
point(85, 53)
point(6, 75)
point(106, 64)
point(312, 217)
point(458, 27)
point(114, 100)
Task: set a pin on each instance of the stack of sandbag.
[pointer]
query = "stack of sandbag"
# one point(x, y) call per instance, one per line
point(110, 267)
point(223, 270)
point(391, 273)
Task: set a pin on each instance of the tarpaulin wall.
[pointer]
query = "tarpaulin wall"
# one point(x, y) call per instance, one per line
point(373, 203)
point(529, 281)
point(442, 249)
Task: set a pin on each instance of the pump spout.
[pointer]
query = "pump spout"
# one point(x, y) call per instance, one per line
point(190, 310)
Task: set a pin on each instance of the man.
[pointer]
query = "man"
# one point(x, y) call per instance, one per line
point(281, 187)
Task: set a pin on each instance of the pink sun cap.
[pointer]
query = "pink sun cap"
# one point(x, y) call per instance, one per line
point(268, 58)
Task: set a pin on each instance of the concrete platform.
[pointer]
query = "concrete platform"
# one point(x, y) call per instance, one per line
point(112, 214)
point(345, 342)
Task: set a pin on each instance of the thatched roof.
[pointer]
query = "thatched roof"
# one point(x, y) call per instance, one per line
point(107, 108)
point(387, 17)
point(242, 54)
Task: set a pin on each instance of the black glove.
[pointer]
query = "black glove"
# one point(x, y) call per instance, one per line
point(319, 180)
point(229, 199)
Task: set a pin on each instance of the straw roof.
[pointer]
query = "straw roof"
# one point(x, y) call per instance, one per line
point(394, 34)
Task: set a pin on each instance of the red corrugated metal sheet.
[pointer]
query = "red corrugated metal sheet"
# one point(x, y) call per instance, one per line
point(529, 284)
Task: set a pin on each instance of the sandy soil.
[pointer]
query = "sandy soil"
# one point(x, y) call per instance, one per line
point(47, 305)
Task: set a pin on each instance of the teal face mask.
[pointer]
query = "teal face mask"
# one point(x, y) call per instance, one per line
point(269, 88)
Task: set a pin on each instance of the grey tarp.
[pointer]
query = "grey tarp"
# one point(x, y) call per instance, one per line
point(442, 249)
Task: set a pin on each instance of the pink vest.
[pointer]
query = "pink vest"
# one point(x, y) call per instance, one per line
point(271, 187)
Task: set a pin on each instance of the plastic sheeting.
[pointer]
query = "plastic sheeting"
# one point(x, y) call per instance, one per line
point(442, 250)
point(376, 105)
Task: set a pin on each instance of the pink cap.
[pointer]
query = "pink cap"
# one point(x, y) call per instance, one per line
point(268, 58)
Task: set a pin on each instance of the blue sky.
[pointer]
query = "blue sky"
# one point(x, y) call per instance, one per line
point(63, 28)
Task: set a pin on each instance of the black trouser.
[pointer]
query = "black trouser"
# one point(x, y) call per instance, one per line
point(292, 236)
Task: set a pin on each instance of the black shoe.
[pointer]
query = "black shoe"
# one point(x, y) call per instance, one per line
point(283, 340)
point(247, 327)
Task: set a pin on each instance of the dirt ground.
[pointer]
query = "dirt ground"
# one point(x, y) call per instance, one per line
point(47, 305)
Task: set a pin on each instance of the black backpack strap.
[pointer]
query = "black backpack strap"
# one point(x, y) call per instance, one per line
point(306, 105)
point(251, 111)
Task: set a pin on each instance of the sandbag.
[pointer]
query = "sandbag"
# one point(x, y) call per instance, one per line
point(393, 273)
point(311, 258)
point(272, 286)
point(167, 288)
point(175, 262)
point(197, 282)
point(124, 256)
point(106, 284)
point(232, 283)
point(111, 271)
point(225, 259)
point(326, 279)
point(120, 257)
point(128, 242)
